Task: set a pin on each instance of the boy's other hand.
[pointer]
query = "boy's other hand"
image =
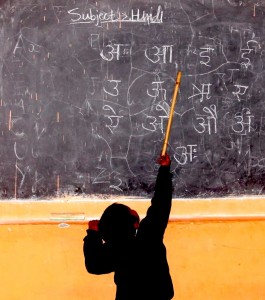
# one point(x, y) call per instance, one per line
point(93, 225)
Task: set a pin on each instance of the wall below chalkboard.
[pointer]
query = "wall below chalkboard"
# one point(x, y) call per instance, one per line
point(222, 258)
point(74, 210)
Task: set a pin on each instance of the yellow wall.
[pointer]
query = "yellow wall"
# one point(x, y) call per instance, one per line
point(216, 249)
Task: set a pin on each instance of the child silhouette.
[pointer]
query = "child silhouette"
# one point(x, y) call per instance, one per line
point(134, 250)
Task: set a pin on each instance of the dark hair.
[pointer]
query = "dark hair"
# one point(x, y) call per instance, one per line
point(116, 223)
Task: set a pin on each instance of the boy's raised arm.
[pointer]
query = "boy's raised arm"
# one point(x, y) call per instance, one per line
point(155, 222)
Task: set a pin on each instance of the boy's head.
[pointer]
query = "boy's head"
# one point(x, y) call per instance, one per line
point(118, 223)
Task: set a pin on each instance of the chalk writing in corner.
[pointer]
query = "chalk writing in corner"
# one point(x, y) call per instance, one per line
point(98, 18)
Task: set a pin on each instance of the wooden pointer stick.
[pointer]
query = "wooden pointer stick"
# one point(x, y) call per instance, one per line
point(169, 123)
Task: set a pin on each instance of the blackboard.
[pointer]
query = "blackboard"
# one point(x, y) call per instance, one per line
point(86, 87)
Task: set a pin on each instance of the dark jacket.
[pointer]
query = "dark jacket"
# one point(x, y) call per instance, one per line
point(140, 265)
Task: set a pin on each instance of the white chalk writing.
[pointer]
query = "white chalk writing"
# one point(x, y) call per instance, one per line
point(159, 54)
point(185, 154)
point(202, 93)
point(207, 123)
point(115, 51)
point(98, 18)
point(113, 118)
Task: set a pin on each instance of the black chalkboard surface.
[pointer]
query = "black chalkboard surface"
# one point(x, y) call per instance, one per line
point(86, 87)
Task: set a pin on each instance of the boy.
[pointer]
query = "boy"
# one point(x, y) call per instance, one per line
point(134, 251)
